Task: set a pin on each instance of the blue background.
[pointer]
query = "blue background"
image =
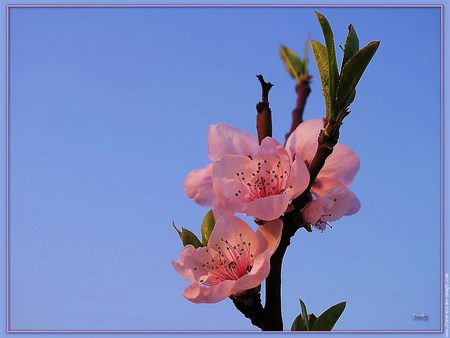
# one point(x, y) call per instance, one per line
point(109, 109)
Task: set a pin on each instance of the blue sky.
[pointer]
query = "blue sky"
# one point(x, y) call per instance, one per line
point(109, 109)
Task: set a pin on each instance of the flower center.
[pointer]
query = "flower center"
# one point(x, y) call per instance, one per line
point(227, 261)
point(269, 179)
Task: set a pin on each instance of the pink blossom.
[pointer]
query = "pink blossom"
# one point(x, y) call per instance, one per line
point(334, 199)
point(258, 180)
point(261, 185)
point(223, 139)
point(235, 259)
point(337, 202)
point(340, 167)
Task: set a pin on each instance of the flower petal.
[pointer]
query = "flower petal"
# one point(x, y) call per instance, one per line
point(190, 263)
point(234, 230)
point(229, 176)
point(316, 209)
point(303, 141)
point(259, 272)
point(344, 201)
point(230, 165)
point(221, 209)
point(224, 139)
point(199, 186)
point(342, 165)
point(298, 177)
point(271, 148)
point(323, 185)
point(268, 208)
point(338, 202)
point(353, 204)
point(271, 232)
point(197, 293)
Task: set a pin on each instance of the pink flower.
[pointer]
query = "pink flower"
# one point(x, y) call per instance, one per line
point(223, 140)
point(340, 167)
point(258, 180)
point(337, 202)
point(235, 259)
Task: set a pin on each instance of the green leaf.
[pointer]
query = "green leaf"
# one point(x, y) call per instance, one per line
point(351, 45)
point(306, 58)
point(321, 57)
point(298, 324)
point(311, 320)
point(292, 62)
point(302, 321)
point(207, 226)
point(188, 237)
point(332, 63)
point(326, 321)
point(304, 314)
point(351, 74)
point(175, 227)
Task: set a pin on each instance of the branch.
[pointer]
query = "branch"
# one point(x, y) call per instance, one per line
point(327, 139)
point(264, 114)
point(270, 317)
point(250, 305)
point(292, 221)
point(302, 89)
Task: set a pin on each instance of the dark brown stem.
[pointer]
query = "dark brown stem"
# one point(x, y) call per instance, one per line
point(302, 89)
point(273, 314)
point(292, 221)
point(250, 305)
point(264, 114)
point(327, 139)
point(270, 317)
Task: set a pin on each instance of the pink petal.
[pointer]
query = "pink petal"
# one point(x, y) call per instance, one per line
point(316, 209)
point(229, 165)
point(191, 258)
point(342, 165)
point(222, 209)
point(224, 139)
point(272, 149)
point(298, 177)
point(338, 202)
point(235, 230)
point(223, 204)
point(323, 185)
point(268, 208)
point(199, 186)
point(260, 271)
point(227, 184)
point(197, 293)
point(353, 204)
point(271, 232)
point(344, 200)
point(303, 141)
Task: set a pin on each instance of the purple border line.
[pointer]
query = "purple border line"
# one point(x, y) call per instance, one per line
point(162, 5)
point(224, 332)
point(10, 6)
point(7, 175)
point(442, 170)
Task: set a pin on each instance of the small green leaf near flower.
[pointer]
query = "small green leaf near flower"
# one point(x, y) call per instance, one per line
point(207, 226)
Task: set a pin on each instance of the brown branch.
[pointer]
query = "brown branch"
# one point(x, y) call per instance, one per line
point(269, 317)
point(327, 139)
point(250, 305)
point(292, 221)
point(264, 114)
point(302, 89)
